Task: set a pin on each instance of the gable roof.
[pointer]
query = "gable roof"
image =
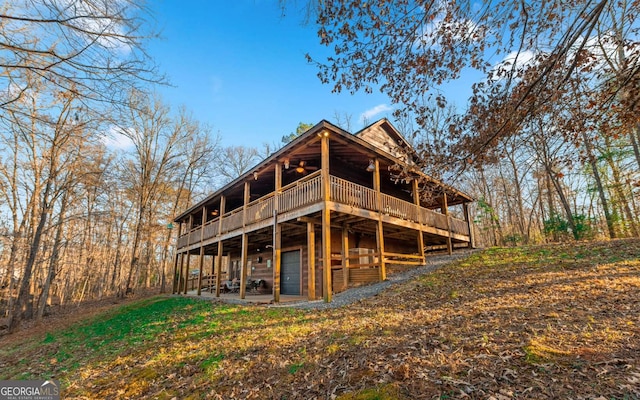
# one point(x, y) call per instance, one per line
point(388, 147)
point(386, 137)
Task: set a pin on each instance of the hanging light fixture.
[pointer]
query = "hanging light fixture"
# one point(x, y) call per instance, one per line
point(371, 167)
point(255, 175)
point(286, 163)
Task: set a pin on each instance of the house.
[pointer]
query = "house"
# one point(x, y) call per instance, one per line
point(325, 212)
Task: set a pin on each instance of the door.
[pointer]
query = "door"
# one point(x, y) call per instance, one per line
point(290, 272)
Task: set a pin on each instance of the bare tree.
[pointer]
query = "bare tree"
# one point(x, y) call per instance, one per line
point(156, 139)
point(236, 160)
point(93, 48)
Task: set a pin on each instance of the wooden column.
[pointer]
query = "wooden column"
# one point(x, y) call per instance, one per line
point(326, 218)
point(382, 273)
point(219, 255)
point(277, 235)
point(345, 257)
point(201, 260)
point(277, 242)
point(445, 211)
point(416, 200)
point(245, 242)
point(177, 273)
point(243, 265)
point(311, 250)
point(186, 275)
point(467, 216)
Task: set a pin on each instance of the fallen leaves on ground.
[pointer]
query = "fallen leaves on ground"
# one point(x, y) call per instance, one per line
point(553, 321)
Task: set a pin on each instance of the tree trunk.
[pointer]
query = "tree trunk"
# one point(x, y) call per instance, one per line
point(24, 293)
point(53, 261)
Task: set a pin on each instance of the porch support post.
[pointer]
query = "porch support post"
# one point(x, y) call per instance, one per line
point(277, 235)
point(445, 210)
point(382, 272)
point(245, 241)
point(219, 255)
point(311, 250)
point(467, 216)
point(277, 239)
point(201, 260)
point(326, 218)
point(218, 264)
point(186, 275)
point(243, 265)
point(345, 257)
point(416, 200)
point(200, 267)
point(176, 272)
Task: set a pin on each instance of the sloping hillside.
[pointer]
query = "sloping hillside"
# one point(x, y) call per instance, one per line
point(538, 322)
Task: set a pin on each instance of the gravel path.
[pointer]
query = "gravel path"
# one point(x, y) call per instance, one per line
point(353, 295)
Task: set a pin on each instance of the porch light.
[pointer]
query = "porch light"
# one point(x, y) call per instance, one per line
point(371, 167)
point(286, 163)
point(255, 175)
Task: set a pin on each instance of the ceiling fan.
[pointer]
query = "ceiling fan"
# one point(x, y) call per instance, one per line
point(302, 168)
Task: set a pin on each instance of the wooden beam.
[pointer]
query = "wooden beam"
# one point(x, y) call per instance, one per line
point(277, 239)
point(326, 219)
point(186, 275)
point(416, 200)
point(219, 255)
point(380, 245)
point(178, 272)
point(243, 265)
point(277, 235)
point(200, 268)
point(201, 260)
point(345, 257)
point(379, 228)
point(311, 256)
point(467, 216)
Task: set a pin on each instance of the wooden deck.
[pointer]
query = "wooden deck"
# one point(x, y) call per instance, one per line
point(345, 197)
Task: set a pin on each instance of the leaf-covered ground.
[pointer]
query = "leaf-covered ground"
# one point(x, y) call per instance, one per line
point(542, 322)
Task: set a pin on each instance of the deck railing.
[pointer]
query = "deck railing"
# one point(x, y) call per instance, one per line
point(301, 193)
point(308, 191)
point(260, 209)
point(432, 218)
point(345, 192)
point(399, 208)
point(459, 226)
point(232, 220)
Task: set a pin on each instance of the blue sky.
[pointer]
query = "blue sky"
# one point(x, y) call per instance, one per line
point(240, 66)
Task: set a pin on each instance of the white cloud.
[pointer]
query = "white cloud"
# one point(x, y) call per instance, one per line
point(116, 140)
point(372, 112)
point(520, 59)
